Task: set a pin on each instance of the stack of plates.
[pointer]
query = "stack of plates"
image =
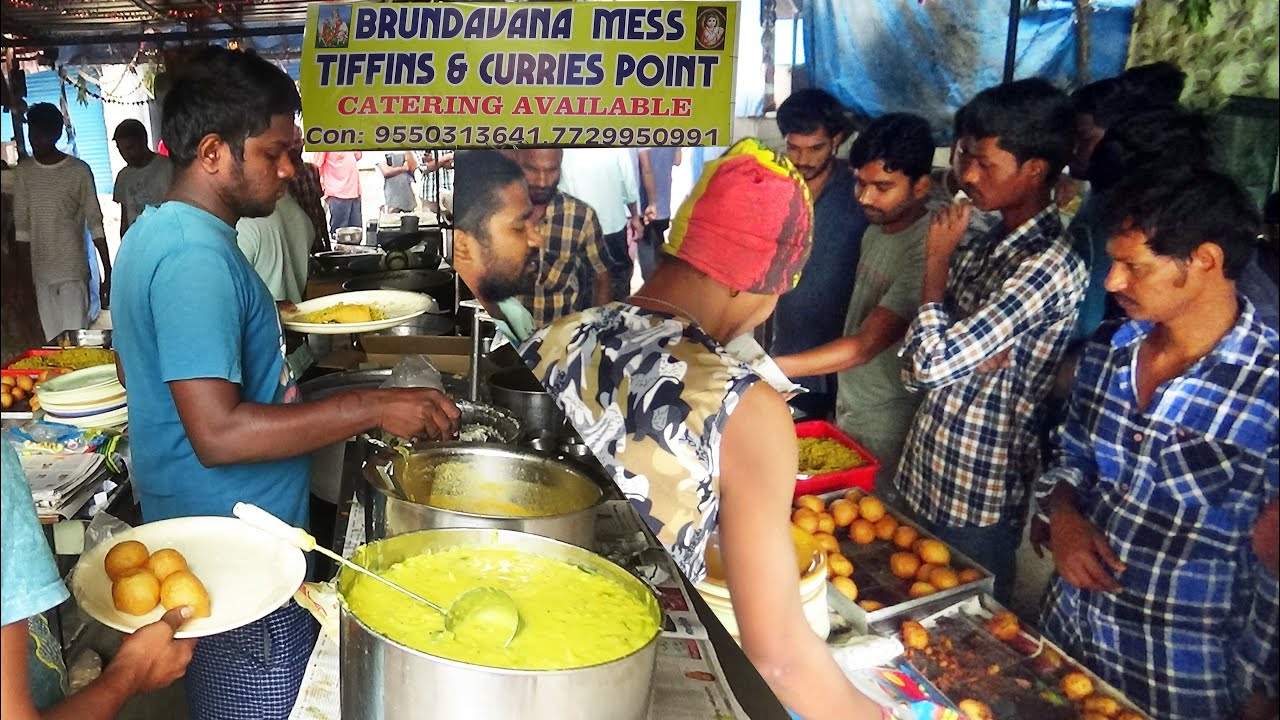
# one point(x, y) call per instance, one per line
point(89, 398)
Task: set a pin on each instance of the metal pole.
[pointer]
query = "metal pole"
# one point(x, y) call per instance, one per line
point(1011, 45)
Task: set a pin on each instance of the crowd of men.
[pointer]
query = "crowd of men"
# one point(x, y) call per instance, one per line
point(1110, 378)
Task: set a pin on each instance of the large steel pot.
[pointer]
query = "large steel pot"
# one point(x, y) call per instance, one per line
point(384, 680)
point(563, 498)
point(517, 390)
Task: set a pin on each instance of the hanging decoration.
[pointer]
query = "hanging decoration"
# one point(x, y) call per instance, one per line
point(92, 10)
point(83, 93)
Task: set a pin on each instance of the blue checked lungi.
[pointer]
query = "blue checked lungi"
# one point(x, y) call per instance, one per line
point(253, 672)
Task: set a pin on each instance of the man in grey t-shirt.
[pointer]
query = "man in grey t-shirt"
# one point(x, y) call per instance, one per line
point(145, 178)
point(891, 162)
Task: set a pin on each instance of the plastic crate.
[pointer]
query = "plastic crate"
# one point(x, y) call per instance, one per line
point(862, 477)
point(31, 373)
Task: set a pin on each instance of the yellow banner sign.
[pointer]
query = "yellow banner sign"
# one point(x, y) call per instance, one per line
point(392, 75)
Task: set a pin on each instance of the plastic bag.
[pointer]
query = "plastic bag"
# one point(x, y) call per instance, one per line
point(58, 439)
point(415, 371)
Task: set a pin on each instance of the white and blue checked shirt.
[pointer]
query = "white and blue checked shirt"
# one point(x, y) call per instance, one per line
point(973, 447)
point(1176, 490)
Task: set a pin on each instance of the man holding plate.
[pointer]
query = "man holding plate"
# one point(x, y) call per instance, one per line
point(214, 413)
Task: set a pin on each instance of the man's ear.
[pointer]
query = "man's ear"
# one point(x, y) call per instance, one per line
point(1208, 256)
point(465, 248)
point(212, 153)
point(1038, 170)
point(920, 188)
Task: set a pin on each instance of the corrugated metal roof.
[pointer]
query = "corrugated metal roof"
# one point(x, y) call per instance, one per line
point(66, 21)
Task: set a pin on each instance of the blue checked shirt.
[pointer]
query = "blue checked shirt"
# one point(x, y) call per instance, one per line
point(1176, 490)
point(973, 448)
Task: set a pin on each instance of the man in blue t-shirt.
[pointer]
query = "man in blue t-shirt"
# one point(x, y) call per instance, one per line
point(213, 408)
point(32, 676)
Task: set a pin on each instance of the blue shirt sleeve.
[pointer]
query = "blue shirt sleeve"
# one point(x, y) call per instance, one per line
point(198, 316)
point(28, 574)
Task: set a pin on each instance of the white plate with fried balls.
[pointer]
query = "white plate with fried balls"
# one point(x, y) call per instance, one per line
point(246, 572)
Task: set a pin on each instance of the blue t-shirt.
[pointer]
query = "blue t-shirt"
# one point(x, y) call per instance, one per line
point(814, 312)
point(29, 582)
point(186, 304)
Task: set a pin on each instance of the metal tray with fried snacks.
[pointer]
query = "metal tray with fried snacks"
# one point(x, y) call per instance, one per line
point(877, 583)
point(1016, 675)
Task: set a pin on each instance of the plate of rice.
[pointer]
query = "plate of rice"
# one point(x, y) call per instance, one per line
point(359, 311)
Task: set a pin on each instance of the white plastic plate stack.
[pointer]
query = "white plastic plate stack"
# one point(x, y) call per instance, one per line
point(88, 398)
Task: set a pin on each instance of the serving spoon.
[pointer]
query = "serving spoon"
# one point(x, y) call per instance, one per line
point(483, 615)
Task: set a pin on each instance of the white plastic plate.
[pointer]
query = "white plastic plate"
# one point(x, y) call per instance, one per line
point(247, 572)
point(399, 305)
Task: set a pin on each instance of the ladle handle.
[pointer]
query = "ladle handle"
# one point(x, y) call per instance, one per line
point(269, 523)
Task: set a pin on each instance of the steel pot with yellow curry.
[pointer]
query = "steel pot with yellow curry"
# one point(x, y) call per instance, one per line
point(480, 485)
point(585, 647)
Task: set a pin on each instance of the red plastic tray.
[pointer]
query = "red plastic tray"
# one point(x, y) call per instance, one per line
point(31, 373)
point(862, 477)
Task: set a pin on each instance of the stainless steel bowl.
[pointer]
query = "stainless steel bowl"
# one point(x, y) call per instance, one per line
point(384, 680)
point(484, 478)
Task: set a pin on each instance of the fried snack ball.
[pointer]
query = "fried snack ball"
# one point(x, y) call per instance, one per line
point(904, 565)
point(827, 542)
point(944, 578)
point(125, 556)
point(925, 571)
point(166, 562)
point(1003, 625)
point(854, 495)
point(969, 575)
point(886, 527)
point(136, 592)
point(839, 565)
point(813, 502)
point(846, 587)
point(934, 552)
point(905, 536)
point(914, 635)
point(863, 531)
point(843, 512)
point(806, 519)
point(184, 588)
point(1077, 686)
point(975, 710)
point(826, 523)
point(1101, 705)
point(921, 589)
point(871, 508)
point(870, 605)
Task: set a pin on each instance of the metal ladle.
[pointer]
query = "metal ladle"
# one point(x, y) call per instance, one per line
point(483, 615)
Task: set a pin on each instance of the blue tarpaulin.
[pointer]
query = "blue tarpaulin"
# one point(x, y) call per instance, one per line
point(880, 56)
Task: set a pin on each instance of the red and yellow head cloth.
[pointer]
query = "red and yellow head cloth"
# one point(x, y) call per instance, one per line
point(748, 222)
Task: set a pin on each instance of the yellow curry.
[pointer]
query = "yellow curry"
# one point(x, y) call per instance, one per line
point(569, 617)
point(342, 313)
point(823, 455)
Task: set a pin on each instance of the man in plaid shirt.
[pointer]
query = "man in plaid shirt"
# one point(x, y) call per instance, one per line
point(998, 311)
point(1169, 455)
point(572, 276)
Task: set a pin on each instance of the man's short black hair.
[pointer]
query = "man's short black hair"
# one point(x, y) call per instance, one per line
point(1171, 140)
point(809, 109)
point(1141, 89)
point(1160, 82)
point(45, 116)
point(230, 93)
point(131, 128)
point(1029, 119)
point(902, 141)
point(1179, 212)
point(478, 178)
